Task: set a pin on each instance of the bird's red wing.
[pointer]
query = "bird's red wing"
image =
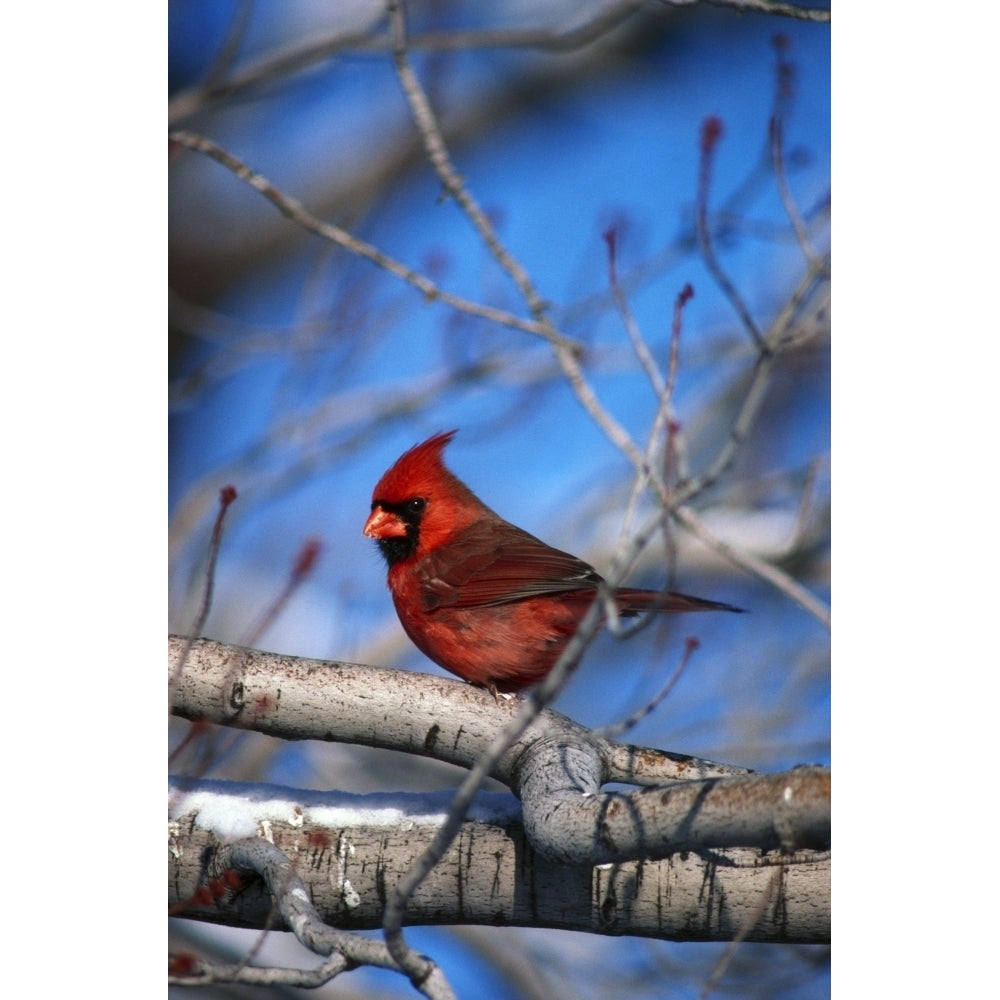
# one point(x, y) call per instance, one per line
point(491, 563)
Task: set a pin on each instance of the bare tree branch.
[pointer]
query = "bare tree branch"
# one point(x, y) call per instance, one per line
point(344, 853)
point(328, 231)
point(291, 899)
point(760, 567)
point(553, 39)
point(555, 766)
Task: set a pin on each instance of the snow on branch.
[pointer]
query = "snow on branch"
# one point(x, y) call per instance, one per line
point(342, 852)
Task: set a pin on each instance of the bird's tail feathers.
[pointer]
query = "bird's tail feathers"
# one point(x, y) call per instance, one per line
point(653, 600)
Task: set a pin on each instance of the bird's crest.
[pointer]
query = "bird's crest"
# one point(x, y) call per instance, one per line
point(416, 471)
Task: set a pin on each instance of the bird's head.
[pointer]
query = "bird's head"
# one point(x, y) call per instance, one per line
point(418, 504)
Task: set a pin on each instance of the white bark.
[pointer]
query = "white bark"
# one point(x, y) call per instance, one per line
point(568, 855)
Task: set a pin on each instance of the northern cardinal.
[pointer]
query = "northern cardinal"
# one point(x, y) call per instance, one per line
point(479, 596)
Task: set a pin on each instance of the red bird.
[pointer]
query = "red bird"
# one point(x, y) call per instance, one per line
point(479, 596)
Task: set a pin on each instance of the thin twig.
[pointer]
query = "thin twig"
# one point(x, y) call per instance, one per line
point(674, 450)
point(777, 336)
point(618, 729)
point(711, 132)
point(784, 92)
point(437, 153)
point(230, 48)
point(778, 578)
point(766, 7)
point(639, 345)
point(748, 925)
point(294, 210)
point(258, 857)
point(552, 39)
point(434, 144)
point(674, 453)
point(286, 64)
point(226, 497)
point(305, 561)
point(800, 528)
point(645, 357)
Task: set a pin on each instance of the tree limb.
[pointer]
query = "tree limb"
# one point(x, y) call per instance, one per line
point(555, 766)
point(259, 858)
point(346, 851)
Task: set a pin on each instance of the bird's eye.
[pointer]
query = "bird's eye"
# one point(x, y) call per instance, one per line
point(416, 505)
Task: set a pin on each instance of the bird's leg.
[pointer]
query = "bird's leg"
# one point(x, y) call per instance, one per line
point(497, 695)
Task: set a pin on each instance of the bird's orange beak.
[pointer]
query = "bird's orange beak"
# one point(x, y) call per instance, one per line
point(383, 524)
